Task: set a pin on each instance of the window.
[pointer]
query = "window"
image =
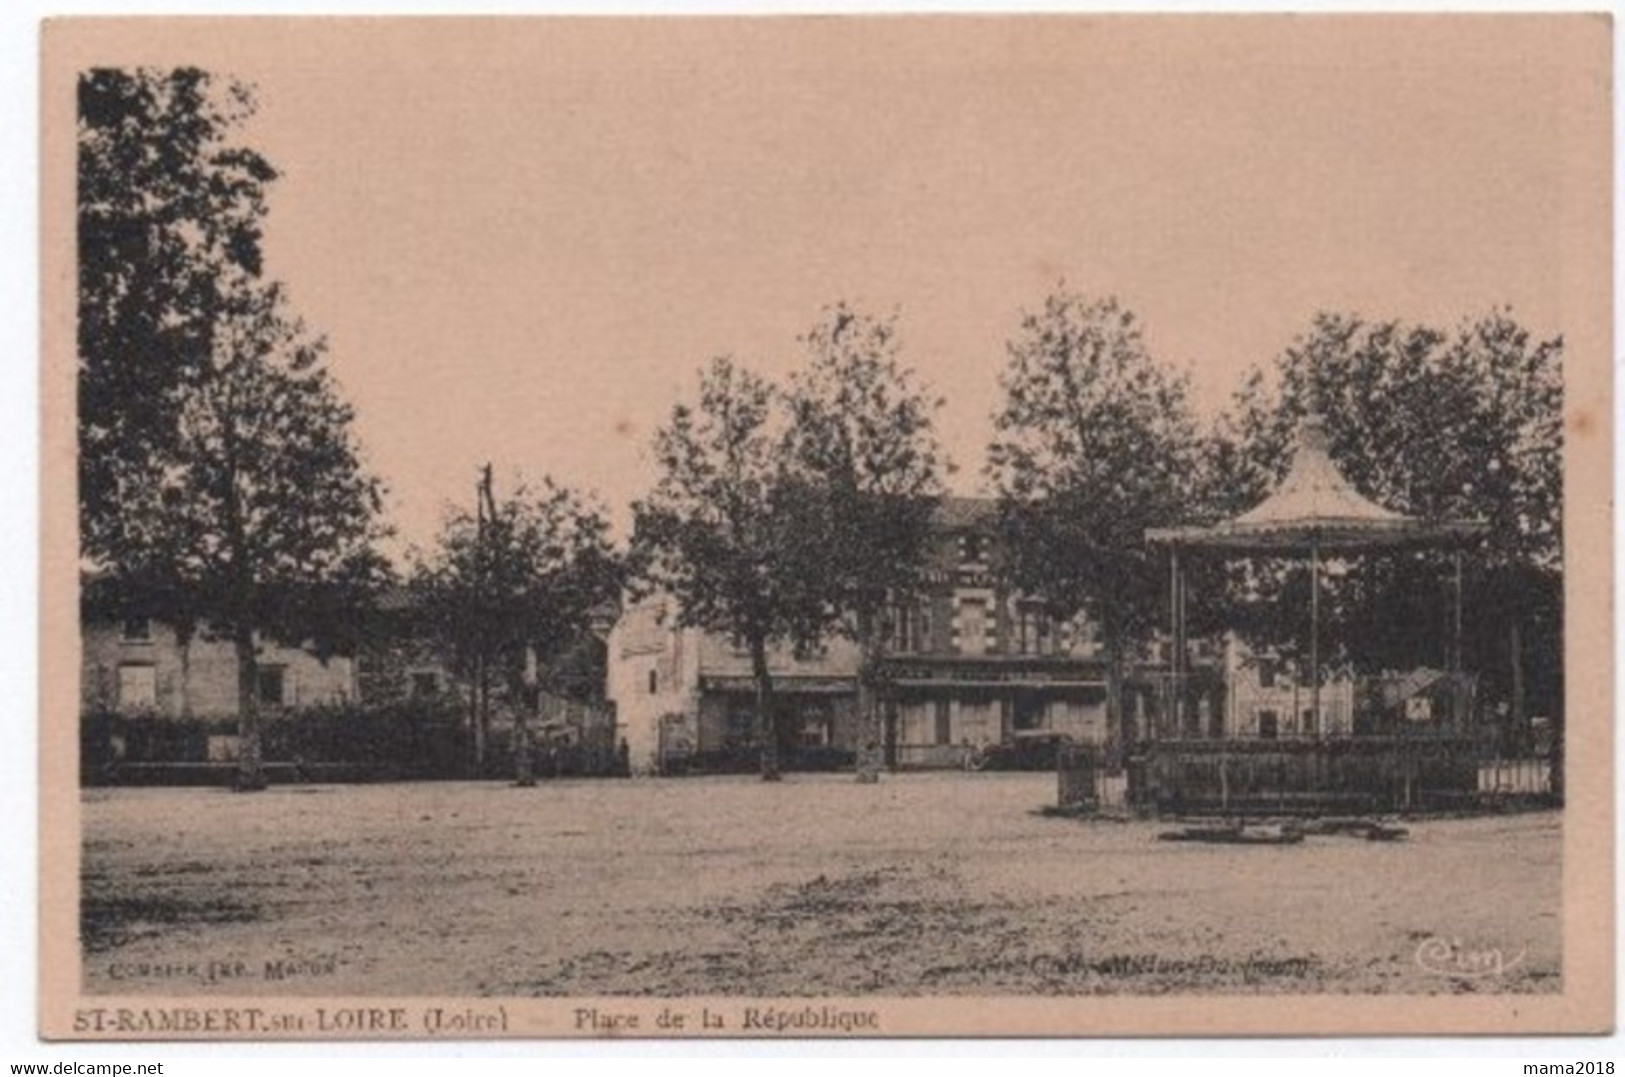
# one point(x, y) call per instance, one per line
point(271, 683)
point(1269, 725)
point(137, 630)
point(978, 720)
point(817, 724)
point(1030, 712)
point(972, 626)
point(654, 681)
point(741, 728)
point(803, 651)
point(1307, 725)
point(944, 726)
point(137, 688)
point(1266, 672)
point(424, 684)
point(906, 620)
point(1084, 643)
point(971, 549)
point(1033, 632)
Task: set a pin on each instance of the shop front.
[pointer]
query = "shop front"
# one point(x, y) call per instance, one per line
point(955, 712)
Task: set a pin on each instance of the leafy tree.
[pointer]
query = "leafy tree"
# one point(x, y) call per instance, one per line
point(1436, 424)
point(170, 209)
point(256, 518)
point(219, 483)
point(733, 533)
point(1094, 443)
point(862, 431)
point(1428, 423)
point(511, 589)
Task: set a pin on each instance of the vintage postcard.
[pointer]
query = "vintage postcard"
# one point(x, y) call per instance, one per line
point(848, 526)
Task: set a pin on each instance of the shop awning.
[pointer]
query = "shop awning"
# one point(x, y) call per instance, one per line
point(781, 685)
point(1006, 685)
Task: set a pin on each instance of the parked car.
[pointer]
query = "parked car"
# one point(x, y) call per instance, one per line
point(1027, 749)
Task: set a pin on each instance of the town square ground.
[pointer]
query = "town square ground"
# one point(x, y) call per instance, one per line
point(925, 884)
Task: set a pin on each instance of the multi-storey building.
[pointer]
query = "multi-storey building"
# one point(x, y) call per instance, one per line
point(973, 662)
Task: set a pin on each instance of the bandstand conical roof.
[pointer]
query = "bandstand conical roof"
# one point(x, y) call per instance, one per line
point(1314, 505)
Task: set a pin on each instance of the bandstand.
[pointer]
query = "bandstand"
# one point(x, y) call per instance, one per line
point(1314, 515)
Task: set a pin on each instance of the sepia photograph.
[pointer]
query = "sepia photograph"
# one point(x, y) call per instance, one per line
point(854, 526)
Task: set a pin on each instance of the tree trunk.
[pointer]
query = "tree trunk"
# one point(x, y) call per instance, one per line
point(474, 721)
point(1558, 734)
point(186, 674)
point(767, 727)
point(250, 767)
point(529, 696)
point(869, 737)
point(524, 770)
point(482, 715)
point(1116, 724)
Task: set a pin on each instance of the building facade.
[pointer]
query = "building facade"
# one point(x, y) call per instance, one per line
point(972, 665)
point(1269, 698)
point(686, 697)
point(141, 666)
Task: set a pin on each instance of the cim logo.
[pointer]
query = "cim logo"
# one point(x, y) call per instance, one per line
point(1449, 957)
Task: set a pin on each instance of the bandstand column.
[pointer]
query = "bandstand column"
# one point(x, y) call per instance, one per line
point(1184, 681)
point(1174, 617)
point(1314, 631)
point(1455, 625)
point(1458, 693)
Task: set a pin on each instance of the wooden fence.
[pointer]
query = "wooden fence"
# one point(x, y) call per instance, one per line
point(1515, 777)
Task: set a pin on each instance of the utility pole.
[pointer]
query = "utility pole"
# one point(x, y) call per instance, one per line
point(484, 515)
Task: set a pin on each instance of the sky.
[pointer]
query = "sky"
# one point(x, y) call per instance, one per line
point(523, 239)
